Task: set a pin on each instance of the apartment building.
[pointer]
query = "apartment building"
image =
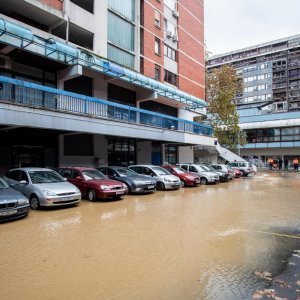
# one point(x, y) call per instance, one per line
point(269, 104)
point(89, 82)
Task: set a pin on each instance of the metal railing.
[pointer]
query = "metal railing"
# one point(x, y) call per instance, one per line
point(31, 94)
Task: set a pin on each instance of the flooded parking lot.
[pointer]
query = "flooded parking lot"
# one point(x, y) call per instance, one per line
point(196, 243)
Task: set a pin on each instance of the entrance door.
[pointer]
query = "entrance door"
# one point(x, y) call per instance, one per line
point(28, 156)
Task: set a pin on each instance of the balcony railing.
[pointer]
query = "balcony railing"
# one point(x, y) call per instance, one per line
point(30, 94)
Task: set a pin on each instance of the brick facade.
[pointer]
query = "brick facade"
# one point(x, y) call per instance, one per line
point(150, 32)
point(191, 47)
point(58, 4)
point(190, 54)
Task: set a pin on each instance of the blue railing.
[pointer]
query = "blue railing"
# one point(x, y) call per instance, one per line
point(31, 94)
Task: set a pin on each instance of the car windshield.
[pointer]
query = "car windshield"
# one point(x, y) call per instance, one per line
point(3, 184)
point(209, 168)
point(160, 171)
point(205, 168)
point(126, 172)
point(92, 175)
point(45, 177)
point(179, 170)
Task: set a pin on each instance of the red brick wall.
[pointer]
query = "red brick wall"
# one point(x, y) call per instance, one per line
point(150, 32)
point(191, 47)
point(54, 3)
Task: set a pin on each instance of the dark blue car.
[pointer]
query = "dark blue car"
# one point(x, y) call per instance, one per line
point(13, 205)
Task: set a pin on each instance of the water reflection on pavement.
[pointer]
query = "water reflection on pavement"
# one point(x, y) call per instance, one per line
point(196, 243)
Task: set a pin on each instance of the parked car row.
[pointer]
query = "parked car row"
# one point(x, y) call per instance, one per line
point(23, 188)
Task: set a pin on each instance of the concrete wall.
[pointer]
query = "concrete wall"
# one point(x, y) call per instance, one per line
point(144, 152)
point(100, 152)
point(185, 154)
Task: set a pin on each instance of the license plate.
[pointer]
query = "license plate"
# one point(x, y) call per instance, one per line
point(8, 213)
point(119, 192)
point(150, 186)
point(67, 199)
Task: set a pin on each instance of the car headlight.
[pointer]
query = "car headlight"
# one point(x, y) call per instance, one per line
point(124, 186)
point(23, 201)
point(190, 177)
point(105, 187)
point(49, 193)
point(167, 180)
point(77, 190)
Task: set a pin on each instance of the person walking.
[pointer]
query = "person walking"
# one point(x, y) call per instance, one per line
point(286, 164)
point(296, 164)
point(280, 163)
point(270, 162)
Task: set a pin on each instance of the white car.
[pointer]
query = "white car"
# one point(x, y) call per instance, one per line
point(206, 176)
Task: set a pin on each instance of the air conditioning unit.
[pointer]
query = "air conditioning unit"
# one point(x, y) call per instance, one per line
point(175, 38)
point(175, 13)
point(5, 62)
point(169, 34)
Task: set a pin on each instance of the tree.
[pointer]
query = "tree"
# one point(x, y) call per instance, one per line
point(222, 84)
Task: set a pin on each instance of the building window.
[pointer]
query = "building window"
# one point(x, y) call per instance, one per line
point(170, 78)
point(157, 72)
point(157, 18)
point(170, 53)
point(157, 46)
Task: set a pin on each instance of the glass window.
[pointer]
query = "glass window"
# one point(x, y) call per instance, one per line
point(185, 167)
point(39, 177)
point(66, 173)
point(157, 72)
point(14, 175)
point(170, 78)
point(157, 18)
point(157, 46)
point(75, 174)
point(193, 169)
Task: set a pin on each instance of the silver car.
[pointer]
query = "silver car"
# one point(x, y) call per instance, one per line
point(205, 175)
point(43, 187)
point(164, 179)
point(244, 167)
point(227, 169)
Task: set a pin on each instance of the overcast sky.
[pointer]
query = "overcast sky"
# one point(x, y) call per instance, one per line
point(234, 24)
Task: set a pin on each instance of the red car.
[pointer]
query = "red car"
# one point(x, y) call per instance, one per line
point(186, 178)
point(237, 173)
point(93, 184)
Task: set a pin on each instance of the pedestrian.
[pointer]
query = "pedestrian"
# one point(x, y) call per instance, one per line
point(270, 162)
point(296, 164)
point(280, 163)
point(286, 164)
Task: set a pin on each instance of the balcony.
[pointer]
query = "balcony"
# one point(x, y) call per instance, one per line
point(31, 95)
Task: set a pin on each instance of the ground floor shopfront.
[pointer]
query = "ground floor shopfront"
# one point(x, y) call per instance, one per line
point(35, 147)
point(260, 156)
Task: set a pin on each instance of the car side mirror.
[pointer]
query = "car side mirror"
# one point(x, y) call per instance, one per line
point(23, 182)
point(11, 184)
point(65, 179)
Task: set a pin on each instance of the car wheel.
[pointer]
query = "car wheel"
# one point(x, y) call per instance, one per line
point(91, 195)
point(242, 173)
point(34, 202)
point(182, 182)
point(203, 180)
point(160, 186)
point(129, 188)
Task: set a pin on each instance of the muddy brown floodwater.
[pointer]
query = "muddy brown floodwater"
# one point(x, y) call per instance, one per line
point(196, 243)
